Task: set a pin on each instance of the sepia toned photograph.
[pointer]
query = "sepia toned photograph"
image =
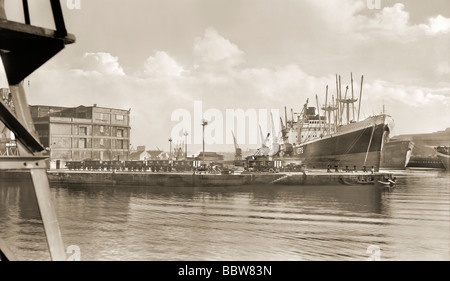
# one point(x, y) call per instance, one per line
point(213, 130)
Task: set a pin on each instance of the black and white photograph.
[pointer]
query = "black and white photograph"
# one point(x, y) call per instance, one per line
point(244, 131)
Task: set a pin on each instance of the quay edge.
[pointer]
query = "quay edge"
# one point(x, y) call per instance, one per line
point(203, 180)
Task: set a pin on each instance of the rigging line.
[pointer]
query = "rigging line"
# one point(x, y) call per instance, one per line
point(354, 142)
point(370, 142)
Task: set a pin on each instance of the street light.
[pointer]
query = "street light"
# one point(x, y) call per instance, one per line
point(185, 143)
point(170, 141)
point(204, 123)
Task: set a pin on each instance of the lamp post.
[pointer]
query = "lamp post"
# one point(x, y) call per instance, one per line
point(185, 143)
point(204, 123)
point(170, 155)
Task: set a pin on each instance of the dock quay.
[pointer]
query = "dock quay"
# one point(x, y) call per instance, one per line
point(198, 180)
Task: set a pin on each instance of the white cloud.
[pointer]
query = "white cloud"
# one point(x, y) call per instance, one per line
point(213, 47)
point(437, 25)
point(391, 22)
point(411, 96)
point(443, 68)
point(103, 63)
point(287, 82)
point(339, 14)
point(162, 65)
point(393, 18)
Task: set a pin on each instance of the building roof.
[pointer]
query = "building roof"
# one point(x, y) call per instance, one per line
point(138, 155)
point(213, 155)
point(80, 111)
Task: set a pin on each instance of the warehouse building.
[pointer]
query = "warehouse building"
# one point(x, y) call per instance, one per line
point(83, 132)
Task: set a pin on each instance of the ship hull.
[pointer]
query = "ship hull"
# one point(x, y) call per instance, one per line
point(445, 160)
point(396, 154)
point(358, 145)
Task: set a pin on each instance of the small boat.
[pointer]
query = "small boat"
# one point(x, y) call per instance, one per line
point(343, 181)
point(360, 181)
point(364, 182)
point(366, 179)
point(388, 182)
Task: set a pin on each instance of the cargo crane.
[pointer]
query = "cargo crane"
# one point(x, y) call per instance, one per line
point(178, 151)
point(238, 150)
point(269, 146)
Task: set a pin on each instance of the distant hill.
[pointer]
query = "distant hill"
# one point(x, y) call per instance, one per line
point(440, 138)
point(423, 141)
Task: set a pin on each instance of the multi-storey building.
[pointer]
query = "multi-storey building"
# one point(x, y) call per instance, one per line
point(83, 132)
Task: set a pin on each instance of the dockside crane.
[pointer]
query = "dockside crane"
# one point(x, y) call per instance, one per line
point(238, 150)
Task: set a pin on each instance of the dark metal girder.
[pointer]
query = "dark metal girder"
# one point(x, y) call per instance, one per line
point(21, 133)
point(24, 48)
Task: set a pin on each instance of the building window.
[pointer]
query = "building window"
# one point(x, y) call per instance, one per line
point(103, 117)
point(119, 133)
point(83, 131)
point(119, 117)
point(102, 129)
point(102, 142)
point(82, 143)
point(120, 144)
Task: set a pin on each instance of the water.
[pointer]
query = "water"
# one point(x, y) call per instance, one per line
point(270, 223)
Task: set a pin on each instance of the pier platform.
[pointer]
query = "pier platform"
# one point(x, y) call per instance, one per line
point(192, 180)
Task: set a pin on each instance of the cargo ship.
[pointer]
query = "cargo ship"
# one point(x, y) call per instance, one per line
point(396, 154)
point(443, 153)
point(321, 141)
point(425, 147)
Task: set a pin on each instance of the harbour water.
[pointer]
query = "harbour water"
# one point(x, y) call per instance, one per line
point(263, 223)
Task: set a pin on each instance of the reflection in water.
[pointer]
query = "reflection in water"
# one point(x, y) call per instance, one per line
point(20, 220)
point(410, 222)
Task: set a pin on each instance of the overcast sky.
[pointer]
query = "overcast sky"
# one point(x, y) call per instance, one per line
point(156, 56)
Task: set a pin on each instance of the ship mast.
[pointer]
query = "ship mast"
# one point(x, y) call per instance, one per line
point(335, 115)
point(328, 109)
point(341, 104)
point(353, 104)
point(347, 101)
point(337, 101)
point(360, 95)
point(326, 101)
point(318, 112)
